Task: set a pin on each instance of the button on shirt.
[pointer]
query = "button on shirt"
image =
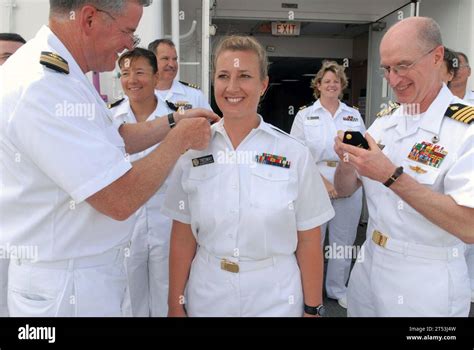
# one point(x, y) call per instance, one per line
point(316, 127)
point(454, 175)
point(58, 148)
point(237, 207)
point(182, 93)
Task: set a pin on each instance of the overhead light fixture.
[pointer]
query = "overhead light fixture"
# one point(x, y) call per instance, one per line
point(309, 75)
point(290, 80)
point(271, 84)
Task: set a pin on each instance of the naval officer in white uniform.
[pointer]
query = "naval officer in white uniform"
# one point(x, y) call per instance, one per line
point(68, 187)
point(419, 187)
point(173, 93)
point(317, 125)
point(147, 265)
point(247, 210)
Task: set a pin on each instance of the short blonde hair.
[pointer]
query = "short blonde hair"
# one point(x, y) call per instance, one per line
point(329, 66)
point(242, 43)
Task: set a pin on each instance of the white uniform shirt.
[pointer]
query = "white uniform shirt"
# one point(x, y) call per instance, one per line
point(58, 148)
point(180, 93)
point(316, 127)
point(469, 97)
point(388, 213)
point(237, 207)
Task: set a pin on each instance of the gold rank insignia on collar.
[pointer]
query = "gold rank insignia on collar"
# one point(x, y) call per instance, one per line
point(54, 61)
point(460, 112)
point(392, 106)
point(272, 159)
point(194, 86)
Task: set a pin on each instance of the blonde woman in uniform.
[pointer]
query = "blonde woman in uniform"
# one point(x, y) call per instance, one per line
point(317, 126)
point(247, 210)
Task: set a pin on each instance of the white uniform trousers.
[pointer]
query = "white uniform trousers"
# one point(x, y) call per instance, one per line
point(407, 280)
point(4, 287)
point(342, 234)
point(470, 267)
point(148, 263)
point(84, 287)
point(148, 270)
point(262, 288)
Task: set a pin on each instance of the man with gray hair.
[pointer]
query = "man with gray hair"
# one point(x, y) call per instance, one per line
point(68, 187)
point(417, 176)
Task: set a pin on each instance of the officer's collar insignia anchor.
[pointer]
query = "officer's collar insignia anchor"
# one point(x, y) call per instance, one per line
point(272, 159)
point(460, 112)
point(54, 61)
point(209, 159)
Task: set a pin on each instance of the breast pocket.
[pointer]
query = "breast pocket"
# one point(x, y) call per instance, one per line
point(314, 133)
point(202, 186)
point(270, 186)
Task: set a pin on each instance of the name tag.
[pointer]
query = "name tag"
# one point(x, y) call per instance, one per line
point(209, 159)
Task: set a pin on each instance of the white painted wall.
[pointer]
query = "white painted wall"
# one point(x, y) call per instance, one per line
point(456, 19)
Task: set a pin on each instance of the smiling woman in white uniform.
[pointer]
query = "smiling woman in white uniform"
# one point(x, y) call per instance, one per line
point(246, 239)
point(147, 263)
point(317, 125)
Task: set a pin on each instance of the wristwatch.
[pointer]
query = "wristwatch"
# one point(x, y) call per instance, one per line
point(171, 120)
point(319, 310)
point(394, 177)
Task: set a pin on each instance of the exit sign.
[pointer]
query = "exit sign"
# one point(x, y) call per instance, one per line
point(286, 28)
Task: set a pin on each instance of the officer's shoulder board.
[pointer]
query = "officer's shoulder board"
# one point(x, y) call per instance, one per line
point(303, 107)
point(460, 112)
point(194, 86)
point(54, 61)
point(392, 107)
point(116, 103)
point(286, 134)
point(355, 107)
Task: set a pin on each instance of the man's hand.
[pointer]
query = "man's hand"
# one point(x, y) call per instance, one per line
point(191, 133)
point(196, 113)
point(371, 163)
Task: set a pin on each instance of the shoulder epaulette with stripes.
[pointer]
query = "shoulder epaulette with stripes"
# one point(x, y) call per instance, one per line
point(116, 103)
point(194, 86)
point(54, 61)
point(460, 112)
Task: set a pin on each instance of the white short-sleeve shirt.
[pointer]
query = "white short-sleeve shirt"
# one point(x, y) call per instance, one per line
point(58, 148)
point(436, 151)
point(239, 207)
point(317, 128)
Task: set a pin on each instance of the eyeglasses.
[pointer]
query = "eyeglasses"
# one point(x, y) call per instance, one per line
point(401, 69)
point(135, 39)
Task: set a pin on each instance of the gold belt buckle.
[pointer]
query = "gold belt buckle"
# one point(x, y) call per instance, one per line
point(229, 266)
point(331, 163)
point(379, 238)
